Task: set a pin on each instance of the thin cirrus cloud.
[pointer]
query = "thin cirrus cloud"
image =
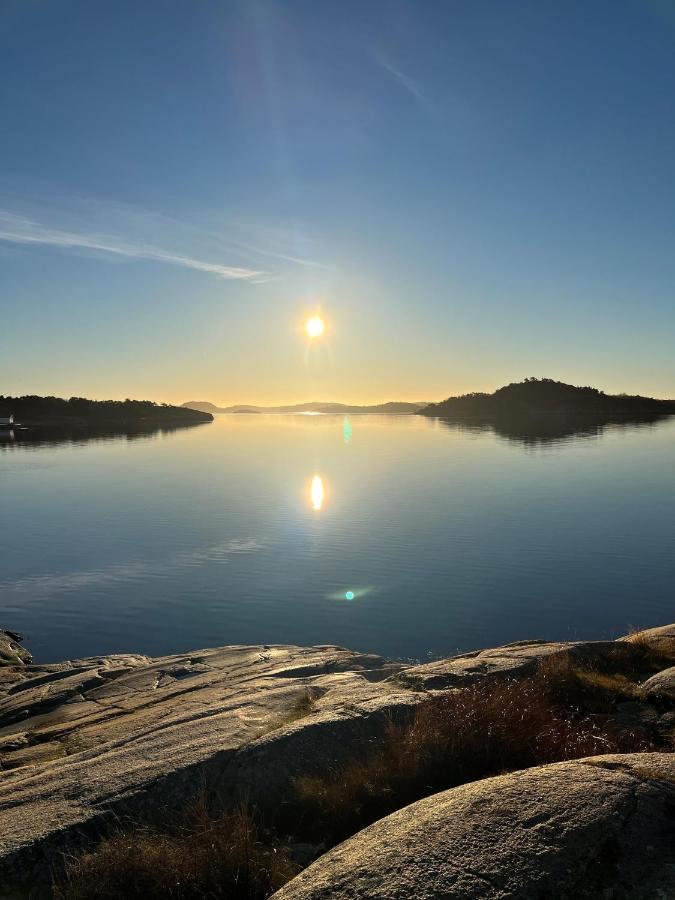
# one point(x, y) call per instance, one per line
point(19, 230)
point(408, 83)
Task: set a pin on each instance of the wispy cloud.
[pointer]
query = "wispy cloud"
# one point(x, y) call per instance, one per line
point(408, 83)
point(19, 230)
point(285, 257)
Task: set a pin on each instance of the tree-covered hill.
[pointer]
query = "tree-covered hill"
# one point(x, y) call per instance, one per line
point(536, 396)
point(77, 412)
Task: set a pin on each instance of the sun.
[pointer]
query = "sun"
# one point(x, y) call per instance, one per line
point(315, 326)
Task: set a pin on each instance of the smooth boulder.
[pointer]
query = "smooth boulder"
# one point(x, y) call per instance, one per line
point(661, 685)
point(600, 827)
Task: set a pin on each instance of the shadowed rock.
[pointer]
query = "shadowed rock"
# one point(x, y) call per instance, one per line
point(602, 827)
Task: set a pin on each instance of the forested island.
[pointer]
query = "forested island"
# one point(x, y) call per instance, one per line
point(543, 397)
point(47, 414)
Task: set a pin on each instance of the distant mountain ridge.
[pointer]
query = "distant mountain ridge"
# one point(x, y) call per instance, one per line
point(544, 396)
point(391, 408)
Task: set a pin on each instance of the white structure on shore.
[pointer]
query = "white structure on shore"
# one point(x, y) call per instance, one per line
point(6, 420)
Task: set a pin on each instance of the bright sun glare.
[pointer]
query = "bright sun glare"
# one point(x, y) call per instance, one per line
point(315, 326)
point(316, 493)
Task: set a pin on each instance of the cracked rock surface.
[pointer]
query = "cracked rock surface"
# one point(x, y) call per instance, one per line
point(601, 827)
point(83, 738)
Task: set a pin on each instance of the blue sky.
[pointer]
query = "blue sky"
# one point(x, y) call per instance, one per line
point(470, 192)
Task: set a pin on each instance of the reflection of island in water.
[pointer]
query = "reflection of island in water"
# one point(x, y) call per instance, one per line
point(550, 428)
point(542, 411)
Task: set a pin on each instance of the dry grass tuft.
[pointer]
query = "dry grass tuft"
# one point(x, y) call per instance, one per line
point(470, 733)
point(658, 650)
point(208, 856)
point(594, 687)
point(304, 706)
point(638, 637)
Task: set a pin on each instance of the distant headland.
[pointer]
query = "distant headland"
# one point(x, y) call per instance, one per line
point(54, 414)
point(393, 408)
point(541, 398)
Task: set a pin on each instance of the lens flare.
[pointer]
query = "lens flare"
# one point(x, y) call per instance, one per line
point(316, 493)
point(315, 327)
point(355, 593)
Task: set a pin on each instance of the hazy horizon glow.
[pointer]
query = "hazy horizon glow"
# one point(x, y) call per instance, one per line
point(469, 193)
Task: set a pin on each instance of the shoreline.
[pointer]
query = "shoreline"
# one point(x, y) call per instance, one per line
point(90, 742)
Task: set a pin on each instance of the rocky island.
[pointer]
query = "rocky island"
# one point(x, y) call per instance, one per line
point(537, 769)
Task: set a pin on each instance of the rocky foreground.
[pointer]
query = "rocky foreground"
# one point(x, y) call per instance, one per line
point(84, 740)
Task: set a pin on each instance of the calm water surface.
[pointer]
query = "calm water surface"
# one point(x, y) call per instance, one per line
point(398, 535)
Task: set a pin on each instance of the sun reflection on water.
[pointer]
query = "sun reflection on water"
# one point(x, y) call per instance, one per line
point(317, 493)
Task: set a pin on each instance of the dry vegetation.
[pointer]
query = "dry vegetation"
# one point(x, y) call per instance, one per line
point(303, 707)
point(209, 856)
point(565, 711)
point(658, 650)
point(474, 732)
